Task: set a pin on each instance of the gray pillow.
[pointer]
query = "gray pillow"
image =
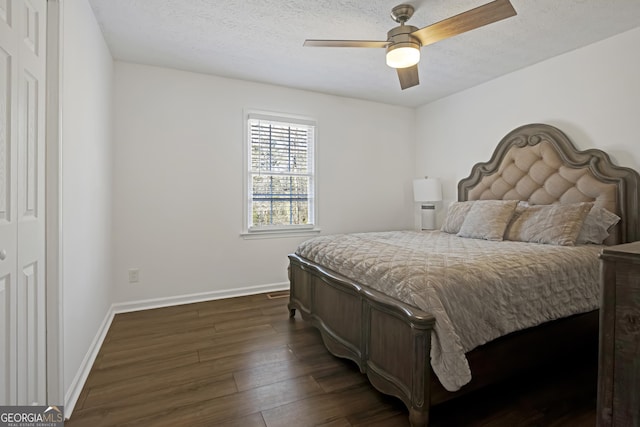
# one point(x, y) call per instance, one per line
point(597, 225)
point(488, 219)
point(557, 224)
point(456, 214)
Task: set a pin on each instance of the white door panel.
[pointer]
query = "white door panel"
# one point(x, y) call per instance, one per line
point(22, 121)
point(8, 209)
point(7, 343)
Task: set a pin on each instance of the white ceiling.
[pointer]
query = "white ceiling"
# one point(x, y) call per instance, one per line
point(261, 40)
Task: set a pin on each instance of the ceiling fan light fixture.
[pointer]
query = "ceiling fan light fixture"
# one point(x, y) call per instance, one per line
point(404, 41)
point(403, 55)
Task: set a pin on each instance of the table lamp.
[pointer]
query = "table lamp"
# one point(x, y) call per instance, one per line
point(426, 191)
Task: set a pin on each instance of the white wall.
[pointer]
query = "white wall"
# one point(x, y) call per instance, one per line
point(87, 74)
point(178, 178)
point(592, 94)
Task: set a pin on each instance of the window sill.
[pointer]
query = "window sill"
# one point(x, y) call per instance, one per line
point(278, 234)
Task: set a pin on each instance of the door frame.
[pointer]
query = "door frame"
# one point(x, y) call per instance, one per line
point(53, 206)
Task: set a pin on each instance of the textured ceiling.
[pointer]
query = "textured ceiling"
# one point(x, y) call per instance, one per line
point(261, 40)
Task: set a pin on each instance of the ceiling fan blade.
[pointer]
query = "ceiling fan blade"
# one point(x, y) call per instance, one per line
point(480, 16)
point(346, 43)
point(408, 76)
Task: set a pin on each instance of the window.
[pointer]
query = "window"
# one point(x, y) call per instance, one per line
point(280, 173)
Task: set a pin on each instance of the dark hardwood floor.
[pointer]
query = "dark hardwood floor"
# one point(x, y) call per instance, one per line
point(243, 362)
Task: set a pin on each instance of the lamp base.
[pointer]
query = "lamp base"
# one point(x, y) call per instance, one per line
point(428, 217)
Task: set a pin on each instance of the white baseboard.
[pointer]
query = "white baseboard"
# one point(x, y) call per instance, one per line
point(72, 395)
point(125, 307)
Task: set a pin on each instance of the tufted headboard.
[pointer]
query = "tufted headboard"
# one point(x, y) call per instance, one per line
point(537, 163)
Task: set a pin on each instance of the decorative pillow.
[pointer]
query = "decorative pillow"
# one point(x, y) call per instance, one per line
point(488, 219)
point(557, 224)
point(456, 214)
point(597, 225)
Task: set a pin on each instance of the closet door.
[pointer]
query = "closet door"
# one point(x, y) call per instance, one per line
point(22, 191)
point(8, 199)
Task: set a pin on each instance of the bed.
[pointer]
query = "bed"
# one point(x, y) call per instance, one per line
point(399, 303)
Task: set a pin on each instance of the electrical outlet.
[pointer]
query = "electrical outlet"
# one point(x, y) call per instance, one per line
point(134, 275)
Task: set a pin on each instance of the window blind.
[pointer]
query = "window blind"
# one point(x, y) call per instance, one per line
point(281, 173)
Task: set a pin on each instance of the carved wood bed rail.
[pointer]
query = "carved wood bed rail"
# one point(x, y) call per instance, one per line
point(363, 325)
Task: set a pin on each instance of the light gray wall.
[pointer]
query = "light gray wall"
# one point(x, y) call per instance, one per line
point(178, 178)
point(592, 94)
point(86, 150)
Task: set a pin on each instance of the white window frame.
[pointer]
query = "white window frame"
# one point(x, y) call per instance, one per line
point(281, 230)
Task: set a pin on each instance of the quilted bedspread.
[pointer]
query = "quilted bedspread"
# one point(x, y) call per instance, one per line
point(477, 290)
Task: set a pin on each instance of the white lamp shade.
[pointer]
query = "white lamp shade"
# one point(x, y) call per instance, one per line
point(427, 190)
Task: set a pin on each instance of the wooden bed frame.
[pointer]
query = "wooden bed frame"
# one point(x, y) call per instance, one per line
point(390, 341)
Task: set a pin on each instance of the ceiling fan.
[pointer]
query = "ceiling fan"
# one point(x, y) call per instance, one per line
point(404, 41)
